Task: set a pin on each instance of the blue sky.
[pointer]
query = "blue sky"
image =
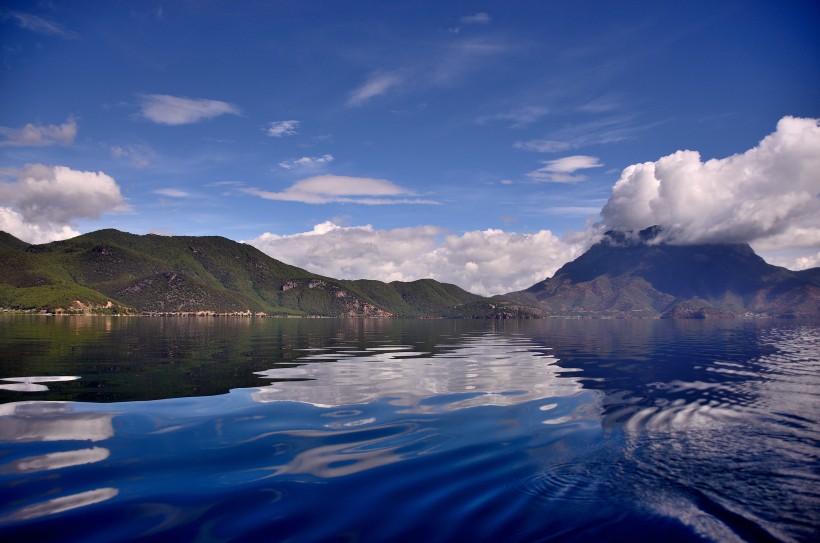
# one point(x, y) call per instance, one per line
point(473, 142)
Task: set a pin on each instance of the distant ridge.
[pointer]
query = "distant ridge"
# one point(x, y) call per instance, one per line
point(625, 275)
point(113, 271)
point(633, 274)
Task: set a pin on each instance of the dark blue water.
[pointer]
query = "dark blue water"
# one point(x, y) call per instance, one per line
point(198, 429)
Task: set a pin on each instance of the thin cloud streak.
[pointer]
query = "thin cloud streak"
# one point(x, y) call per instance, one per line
point(177, 110)
point(324, 189)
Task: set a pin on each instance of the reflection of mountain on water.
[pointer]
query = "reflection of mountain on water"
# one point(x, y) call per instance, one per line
point(489, 369)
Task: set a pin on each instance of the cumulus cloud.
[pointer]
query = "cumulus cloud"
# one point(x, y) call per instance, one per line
point(768, 196)
point(562, 170)
point(41, 202)
point(34, 135)
point(306, 162)
point(484, 262)
point(279, 129)
point(323, 189)
point(13, 222)
point(178, 110)
point(377, 83)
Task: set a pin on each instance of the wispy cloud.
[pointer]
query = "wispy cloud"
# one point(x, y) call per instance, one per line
point(518, 118)
point(324, 189)
point(34, 135)
point(38, 24)
point(562, 170)
point(306, 162)
point(479, 18)
point(172, 193)
point(280, 129)
point(443, 65)
point(604, 130)
point(377, 84)
point(476, 19)
point(140, 156)
point(178, 110)
point(543, 146)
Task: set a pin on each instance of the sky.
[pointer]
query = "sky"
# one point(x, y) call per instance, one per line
point(480, 143)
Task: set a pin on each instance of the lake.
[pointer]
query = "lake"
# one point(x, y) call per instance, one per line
point(240, 429)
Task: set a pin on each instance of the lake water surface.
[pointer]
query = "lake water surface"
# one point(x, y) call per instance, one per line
point(232, 429)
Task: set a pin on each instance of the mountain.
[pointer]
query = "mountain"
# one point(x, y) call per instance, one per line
point(631, 274)
point(113, 271)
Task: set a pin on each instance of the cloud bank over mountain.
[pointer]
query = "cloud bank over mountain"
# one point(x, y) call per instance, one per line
point(768, 196)
point(484, 262)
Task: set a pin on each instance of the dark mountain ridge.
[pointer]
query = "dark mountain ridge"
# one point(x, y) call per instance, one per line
point(635, 274)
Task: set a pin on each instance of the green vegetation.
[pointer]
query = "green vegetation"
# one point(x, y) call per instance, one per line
point(109, 271)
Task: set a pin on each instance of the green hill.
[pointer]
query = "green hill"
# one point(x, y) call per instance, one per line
point(113, 271)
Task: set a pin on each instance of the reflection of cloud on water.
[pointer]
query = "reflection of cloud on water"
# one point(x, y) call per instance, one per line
point(52, 421)
point(56, 460)
point(484, 370)
point(58, 505)
point(27, 422)
point(34, 384)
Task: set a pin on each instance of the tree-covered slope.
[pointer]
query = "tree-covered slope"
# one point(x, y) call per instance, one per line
point(169, 274)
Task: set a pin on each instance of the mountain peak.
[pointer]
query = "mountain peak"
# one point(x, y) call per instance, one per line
point(646, 273)
point(647, 236)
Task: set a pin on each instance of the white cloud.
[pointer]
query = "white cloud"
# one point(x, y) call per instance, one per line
point(14, 223)
point(323, 189)
point(768, 196)
point(172, 193)
point(306, 162)
point(278, 129)
point(42, 201)
point(33, 135)
point(377, 83)
point(177, 110)
point(561, 170)
point(484, 262)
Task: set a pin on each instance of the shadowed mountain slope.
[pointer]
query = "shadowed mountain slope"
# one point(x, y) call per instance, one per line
point(628, 274)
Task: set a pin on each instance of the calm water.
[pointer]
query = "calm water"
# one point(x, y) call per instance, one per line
point(150, 429)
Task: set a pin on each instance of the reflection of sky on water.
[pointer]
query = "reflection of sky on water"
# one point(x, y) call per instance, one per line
point(713, 426)
point(484, 370)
